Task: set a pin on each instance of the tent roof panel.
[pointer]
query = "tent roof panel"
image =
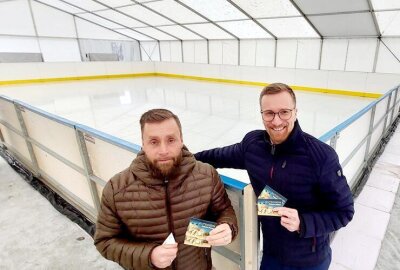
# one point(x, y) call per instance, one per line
point(145, 15)
point(267, 9)
point(155, 33)
point(61, 5)
point(295, 27)
point(209, 31)
point(385, 4)
point(389, 22)
point(96, 19)
point(175, 11)
point(215, 10)
point(120, 18)
point(116, 3)
point(88, 5)
point(133, 34)
point(345, 25)
point(179, 32)
point(245, 29)
point(329, 6)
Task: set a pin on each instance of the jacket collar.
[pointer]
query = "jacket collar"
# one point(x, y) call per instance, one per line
point(140, 168)
point(291, 143)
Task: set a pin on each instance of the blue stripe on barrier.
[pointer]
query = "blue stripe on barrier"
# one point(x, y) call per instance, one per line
point(109, 138)
point(6, 98)
point(233, 182)
point(45, 114)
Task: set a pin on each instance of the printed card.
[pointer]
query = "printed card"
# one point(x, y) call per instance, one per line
point(197, 231)
point(268, 200)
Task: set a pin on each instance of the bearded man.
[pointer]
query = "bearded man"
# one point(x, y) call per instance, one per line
point(157, 195)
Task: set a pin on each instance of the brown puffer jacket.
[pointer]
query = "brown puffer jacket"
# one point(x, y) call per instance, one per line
point(138, 213)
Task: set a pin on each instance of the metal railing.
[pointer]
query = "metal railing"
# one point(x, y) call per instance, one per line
point(378, 116)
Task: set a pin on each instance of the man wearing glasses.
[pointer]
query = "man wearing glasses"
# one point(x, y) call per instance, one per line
point(304, 170)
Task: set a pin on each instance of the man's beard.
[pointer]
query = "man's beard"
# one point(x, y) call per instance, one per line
point(163, 170)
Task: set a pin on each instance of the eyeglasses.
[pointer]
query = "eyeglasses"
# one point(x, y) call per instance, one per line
point(283, 114)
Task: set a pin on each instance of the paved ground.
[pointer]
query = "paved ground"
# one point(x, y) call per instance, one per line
point(36, 236)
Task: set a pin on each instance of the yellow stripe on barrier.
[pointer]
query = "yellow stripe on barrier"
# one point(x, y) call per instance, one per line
point(189, 77)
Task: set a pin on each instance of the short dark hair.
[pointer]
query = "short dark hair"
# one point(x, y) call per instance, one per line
point(276, 88)
point(158, 116)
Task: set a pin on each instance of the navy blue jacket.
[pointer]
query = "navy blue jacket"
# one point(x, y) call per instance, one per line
point(307, 172)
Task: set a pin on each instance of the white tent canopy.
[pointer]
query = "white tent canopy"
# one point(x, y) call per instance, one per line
point(238, 19)
point(357, 35)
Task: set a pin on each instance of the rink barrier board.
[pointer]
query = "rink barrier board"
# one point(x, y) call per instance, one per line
point(375, 120)
point(72, 172)
point(189, 77)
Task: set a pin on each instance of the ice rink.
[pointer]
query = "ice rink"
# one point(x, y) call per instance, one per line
point(212, 114)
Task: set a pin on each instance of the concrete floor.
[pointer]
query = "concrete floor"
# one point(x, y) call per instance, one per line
point(34, 235)
point(372, 239)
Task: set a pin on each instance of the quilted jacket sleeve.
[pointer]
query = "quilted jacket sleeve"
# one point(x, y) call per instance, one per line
point(221, 207)
point(110, 242)
point(336, 196)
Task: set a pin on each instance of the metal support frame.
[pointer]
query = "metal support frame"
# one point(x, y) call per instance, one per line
point(1, 136)
point(370, 131)
point(208, 52)
point(241, 230)
point(77, 38)
point(387, 113)
point(334, 139)
point(140, 51)
point(320, 53)
point(88, 168)
point(159, 50)
point(378, 46)
point(182, 56)
point(28, 143)
point(276, 51)
point(394, 105)
point(347, 54)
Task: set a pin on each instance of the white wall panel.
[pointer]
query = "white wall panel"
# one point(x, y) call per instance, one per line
point(387, 63)
point(361, 54)
point(60, 50)
point(200, 52)
point(216, 56)
point(176, 51)
point(334, 54)
point(188, 51)
point(308, 51)
point(52, 23)
point(93, 31)
point(165, 51)
point(230, 52)
point(150, 51)
point(19, 44)
point(265, 52)
point(248, 52)
point(286, 53)
point(15, 18)
point(171, 51)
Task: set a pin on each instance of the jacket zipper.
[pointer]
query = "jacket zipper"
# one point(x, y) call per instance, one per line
point(169, 217)
point(271, 172)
